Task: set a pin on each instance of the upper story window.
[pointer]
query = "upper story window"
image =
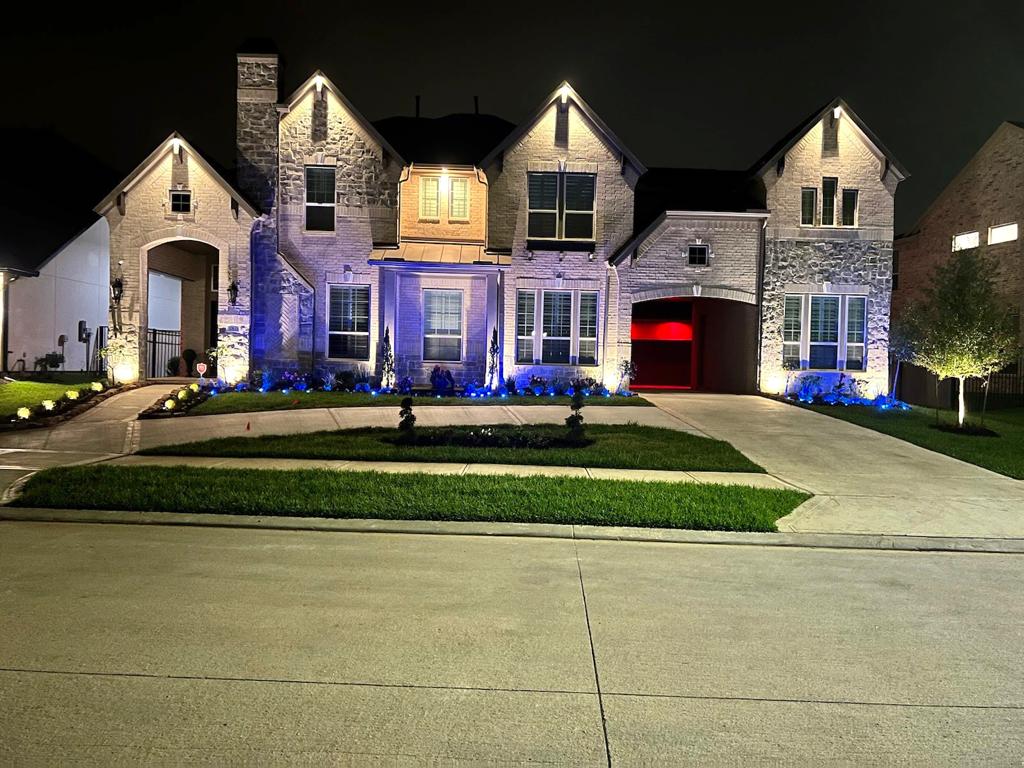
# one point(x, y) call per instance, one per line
point(697, 255)
point(320, 198)
point(1004, 233)
point(808, 206)
point(850, 201)
point(430, 198)
point(966, 240)
point(829, 185)
point(181, 201)
point(458, 200)
point(561, 205)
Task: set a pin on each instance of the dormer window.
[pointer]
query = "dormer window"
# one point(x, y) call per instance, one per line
point(181, 201)
point(697, 255)
point(561, 205)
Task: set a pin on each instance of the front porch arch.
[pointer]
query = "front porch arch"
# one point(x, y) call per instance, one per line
point(693, 290)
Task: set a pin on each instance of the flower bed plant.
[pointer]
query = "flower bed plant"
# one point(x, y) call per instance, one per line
point(40, 403)
point(814, 389)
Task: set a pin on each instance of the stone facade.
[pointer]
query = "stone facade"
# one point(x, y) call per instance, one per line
point(139, 216)
point(845, 260)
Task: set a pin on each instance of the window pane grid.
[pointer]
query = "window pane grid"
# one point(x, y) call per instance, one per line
point(429, 197)
point(349, 322)
point(459, 199)
point(824, 332)
point(525, 305)
point(588, 329)
point(442, 325)
point(697, 255)
point(557, 326)
point(181, 201)
point(828, 201)
point(320, 198)
point(808, 206)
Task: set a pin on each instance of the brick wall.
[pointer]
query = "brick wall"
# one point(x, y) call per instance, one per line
point(817, 259)
point(444, 228)
point(575, 141)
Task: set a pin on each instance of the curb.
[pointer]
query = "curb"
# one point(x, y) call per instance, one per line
point(524, 530)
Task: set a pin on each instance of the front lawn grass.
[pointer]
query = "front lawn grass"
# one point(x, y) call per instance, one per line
point(372, 495)
point(626, 446)
point(1003, 454)
point(15, 394)
point(245, 402)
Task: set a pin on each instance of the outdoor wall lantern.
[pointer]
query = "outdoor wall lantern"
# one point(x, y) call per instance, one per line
point(117, 289)
point(233, 293)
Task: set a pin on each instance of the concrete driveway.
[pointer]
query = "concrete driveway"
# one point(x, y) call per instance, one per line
point(864, 481)
point(127, 644)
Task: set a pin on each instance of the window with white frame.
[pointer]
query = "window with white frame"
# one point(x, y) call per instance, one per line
point(697, 255)
point(1004, 233)
point(966, 240)
point(850, 200)
point(856, 332)
point(829, 185)
point(792, 330)
point(320, 198)
point(556, 325)
point(181, 201)
point(561, 205)
point(442, 325)
point(526, 306)
point(348, 329)
point(430, 198)
point(588, 329)
point(458, 200)
point(808, 206)
point(824, 332)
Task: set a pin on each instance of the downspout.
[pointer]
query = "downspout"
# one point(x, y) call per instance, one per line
point(604, 333)
point(760, 302)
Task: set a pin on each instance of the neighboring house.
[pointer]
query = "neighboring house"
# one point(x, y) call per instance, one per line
point(982, 207)
point(551, 233)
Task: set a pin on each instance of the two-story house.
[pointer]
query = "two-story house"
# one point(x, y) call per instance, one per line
point(982, 207)
point(551, 234)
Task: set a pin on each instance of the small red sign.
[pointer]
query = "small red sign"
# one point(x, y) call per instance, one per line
point(201, 367)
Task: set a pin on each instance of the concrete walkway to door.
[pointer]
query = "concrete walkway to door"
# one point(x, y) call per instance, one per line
point(863, 481)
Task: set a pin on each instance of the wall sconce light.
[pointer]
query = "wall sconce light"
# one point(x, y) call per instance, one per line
point(117, 289)
point(837, 113)
point(563, 94)
point(176, 149)
point(233, 293)
point(318, 84)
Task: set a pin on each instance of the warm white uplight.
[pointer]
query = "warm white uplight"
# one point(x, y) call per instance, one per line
point(564, 94)
point(318, 83)
point(1004, 233)
point(175, 145)
point(124, 373)
point(837, 113)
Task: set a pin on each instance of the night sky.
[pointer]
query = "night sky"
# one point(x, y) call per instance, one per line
point(698, 86)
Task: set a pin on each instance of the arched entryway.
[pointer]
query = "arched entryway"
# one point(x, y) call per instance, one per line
point(694, 343)
point(182, 281)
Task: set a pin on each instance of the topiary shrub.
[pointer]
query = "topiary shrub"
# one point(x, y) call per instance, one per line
point(406, 419)
point(574, 421)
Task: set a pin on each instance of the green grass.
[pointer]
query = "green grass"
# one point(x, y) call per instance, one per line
point(1003, 454)
point(244, 402)
point(321, 493)
point(625, 446)
point(15, 394)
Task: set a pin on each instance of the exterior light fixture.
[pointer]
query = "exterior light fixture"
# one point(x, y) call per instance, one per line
point(563, 93)
point(233, 293)
point(318, 83)
point(444, 178)
point(176, 148)
point(117, 289)
point(837, 113)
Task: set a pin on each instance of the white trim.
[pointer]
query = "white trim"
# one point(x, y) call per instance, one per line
point(423, 325)
point(369, 323)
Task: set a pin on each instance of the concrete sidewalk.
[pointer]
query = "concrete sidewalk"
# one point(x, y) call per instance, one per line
point(752, 479)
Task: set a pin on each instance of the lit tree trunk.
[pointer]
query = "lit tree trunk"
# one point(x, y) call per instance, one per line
point(961, 407)
point(895, 380)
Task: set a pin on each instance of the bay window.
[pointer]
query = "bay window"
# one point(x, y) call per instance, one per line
point(348, 322)
point(442, 325)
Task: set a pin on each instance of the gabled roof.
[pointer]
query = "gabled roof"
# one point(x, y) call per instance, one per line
point(349, 107)
point(460, 139)
point(592, 116)
point(142, 168)
point(787, 142)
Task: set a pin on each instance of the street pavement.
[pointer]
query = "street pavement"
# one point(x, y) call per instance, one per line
point(171, 645)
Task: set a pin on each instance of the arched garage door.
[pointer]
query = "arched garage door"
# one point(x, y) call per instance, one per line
point(694, 343)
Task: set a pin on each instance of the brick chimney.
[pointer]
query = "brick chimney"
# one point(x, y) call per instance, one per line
point(256, 128)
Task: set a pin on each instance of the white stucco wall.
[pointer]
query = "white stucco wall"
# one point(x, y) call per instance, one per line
point(73, 285)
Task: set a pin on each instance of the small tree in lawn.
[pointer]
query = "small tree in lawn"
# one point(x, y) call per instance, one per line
point(493, 355)
point(574, 421)
point(406, 419)
point(960, 328)
point(387, 362)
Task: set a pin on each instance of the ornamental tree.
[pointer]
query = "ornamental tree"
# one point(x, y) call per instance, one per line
point(493, 355)
point(387, 362)
point(960, 328)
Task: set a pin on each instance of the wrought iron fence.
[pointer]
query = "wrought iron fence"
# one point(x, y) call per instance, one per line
point(1005, 389)
point(161, 346)
point(97, 363)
